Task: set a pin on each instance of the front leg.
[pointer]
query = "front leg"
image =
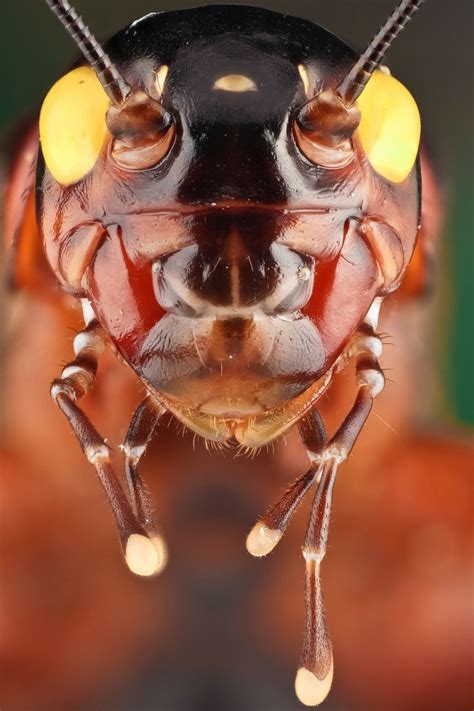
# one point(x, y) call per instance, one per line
point(76, 379)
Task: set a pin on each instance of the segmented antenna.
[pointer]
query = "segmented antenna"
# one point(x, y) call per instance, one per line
point(107, 73)
point(354, 83)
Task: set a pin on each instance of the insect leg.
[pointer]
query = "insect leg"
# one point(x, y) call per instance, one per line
point(370, 382)
point(314, 677)
point(267, 532)
point(140, 432)
point(76, 379)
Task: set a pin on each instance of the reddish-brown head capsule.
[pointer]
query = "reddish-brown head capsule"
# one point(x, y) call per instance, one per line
point(232, 193)
point(225, 235)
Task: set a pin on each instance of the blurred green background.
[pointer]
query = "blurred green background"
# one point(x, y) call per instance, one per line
point(433, 58)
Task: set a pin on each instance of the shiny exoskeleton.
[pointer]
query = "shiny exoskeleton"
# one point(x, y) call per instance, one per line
point(238, 201)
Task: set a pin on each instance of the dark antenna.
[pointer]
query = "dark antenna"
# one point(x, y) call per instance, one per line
point(355, 82)
point(113, 82)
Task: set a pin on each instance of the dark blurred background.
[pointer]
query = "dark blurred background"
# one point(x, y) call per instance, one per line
point(434, 59)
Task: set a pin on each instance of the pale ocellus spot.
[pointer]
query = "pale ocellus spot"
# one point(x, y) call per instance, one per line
point(235, 82)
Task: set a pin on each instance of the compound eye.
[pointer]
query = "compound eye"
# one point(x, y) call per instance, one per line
point(390, 127)
point(323, 130)
point(72, 125)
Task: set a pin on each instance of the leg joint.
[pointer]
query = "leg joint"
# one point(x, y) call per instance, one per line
point(369, 344)
point(97, 452)
point(372, 379)
point(59, 387)
point(88, 340)
point(333, 452)
point(133, 453)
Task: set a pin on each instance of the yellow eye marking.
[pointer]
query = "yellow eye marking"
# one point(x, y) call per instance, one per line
point(161, 75)
point(235, 82)
point(390, 127)
point(72, 125)
point(303, 72)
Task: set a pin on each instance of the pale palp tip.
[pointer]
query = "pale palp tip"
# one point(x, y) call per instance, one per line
point(142, 555)
point(261, 540)
point(310, 690)
point(162, 549)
